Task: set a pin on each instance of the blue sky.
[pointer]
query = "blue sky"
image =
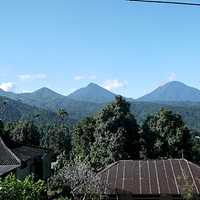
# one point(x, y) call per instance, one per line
point(129, 48)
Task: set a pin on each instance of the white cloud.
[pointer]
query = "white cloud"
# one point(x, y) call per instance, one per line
point(77, 78)
point(8, 87)
point(26, 91)
point(144, 92)
point(113, 84)
point(171, 77)
point(91, 77)
point(73, 90)
point(4, 71)
point(29, 77)
point(167, 80)
point(126, 82)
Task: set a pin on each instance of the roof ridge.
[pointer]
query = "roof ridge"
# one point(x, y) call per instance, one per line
point(195, 164)
point(29, 145)
point(102, 169)
point(15, 156)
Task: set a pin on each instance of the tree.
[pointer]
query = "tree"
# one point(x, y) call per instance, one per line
point(1, 127)
point(77, 177)
point(62, 113)
point(58, 139)
point(13, 189)
point(116, 134)
point(83, 137)
point(37, 116)
point(25, 132)
point(165, 135)
point(4, 110)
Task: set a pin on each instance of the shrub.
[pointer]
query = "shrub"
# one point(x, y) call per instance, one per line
point(12, 188)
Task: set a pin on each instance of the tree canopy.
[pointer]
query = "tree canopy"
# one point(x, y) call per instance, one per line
point(110, 136)
point(165, 135)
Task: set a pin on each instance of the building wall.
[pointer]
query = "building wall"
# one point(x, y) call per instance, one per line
point(47, 166)
point(24, 171)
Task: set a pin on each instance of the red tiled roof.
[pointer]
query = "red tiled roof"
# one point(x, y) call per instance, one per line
point(145, 177)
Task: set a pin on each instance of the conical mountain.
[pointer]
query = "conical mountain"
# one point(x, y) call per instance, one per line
point(92, 93)
point(173, 91)
point(45, 93)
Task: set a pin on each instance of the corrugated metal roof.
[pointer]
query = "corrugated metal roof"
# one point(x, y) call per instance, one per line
point(146, 177)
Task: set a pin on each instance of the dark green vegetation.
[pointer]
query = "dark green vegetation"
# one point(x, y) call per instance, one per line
point(46, 103)
point(190, 111)
point(13, 189)
point(115, 135)
point(112, 134)
point(17, 111)
point(108, 137)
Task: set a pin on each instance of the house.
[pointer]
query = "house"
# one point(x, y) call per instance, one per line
point(22, 160)
point(149, 179)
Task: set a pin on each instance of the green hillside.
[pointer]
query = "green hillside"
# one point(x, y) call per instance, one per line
point(190, 111)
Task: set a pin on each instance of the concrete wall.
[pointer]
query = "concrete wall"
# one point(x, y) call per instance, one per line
point(22, 173)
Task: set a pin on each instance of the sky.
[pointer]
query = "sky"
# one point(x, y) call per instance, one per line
point(129, 48)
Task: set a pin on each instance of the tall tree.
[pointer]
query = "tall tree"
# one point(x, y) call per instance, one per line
point(165, 135)
point(59, 140)
point(116, 134)
point(4, 110)
point(25, 132)
point(62, 113)
point(83, 137)
point(1, 127)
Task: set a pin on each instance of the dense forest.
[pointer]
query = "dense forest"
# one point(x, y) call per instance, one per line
point(17, 111)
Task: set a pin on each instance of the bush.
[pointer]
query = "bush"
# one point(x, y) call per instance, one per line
point(12, 188)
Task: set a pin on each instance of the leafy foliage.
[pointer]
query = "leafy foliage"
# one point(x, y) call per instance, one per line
point(58, 138)
point(186, 186)
point(165, 135)
point(13, 189)
point(116, 133)
point(83, 137)
point(109, 136)
point(23, 132)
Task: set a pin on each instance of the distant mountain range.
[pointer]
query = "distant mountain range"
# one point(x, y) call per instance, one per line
point(44, 97)
point(90, 100)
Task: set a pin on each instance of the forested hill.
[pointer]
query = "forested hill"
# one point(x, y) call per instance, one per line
point(17, 111)
point(11, 110)
point(190, 111)
point(47, 103)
